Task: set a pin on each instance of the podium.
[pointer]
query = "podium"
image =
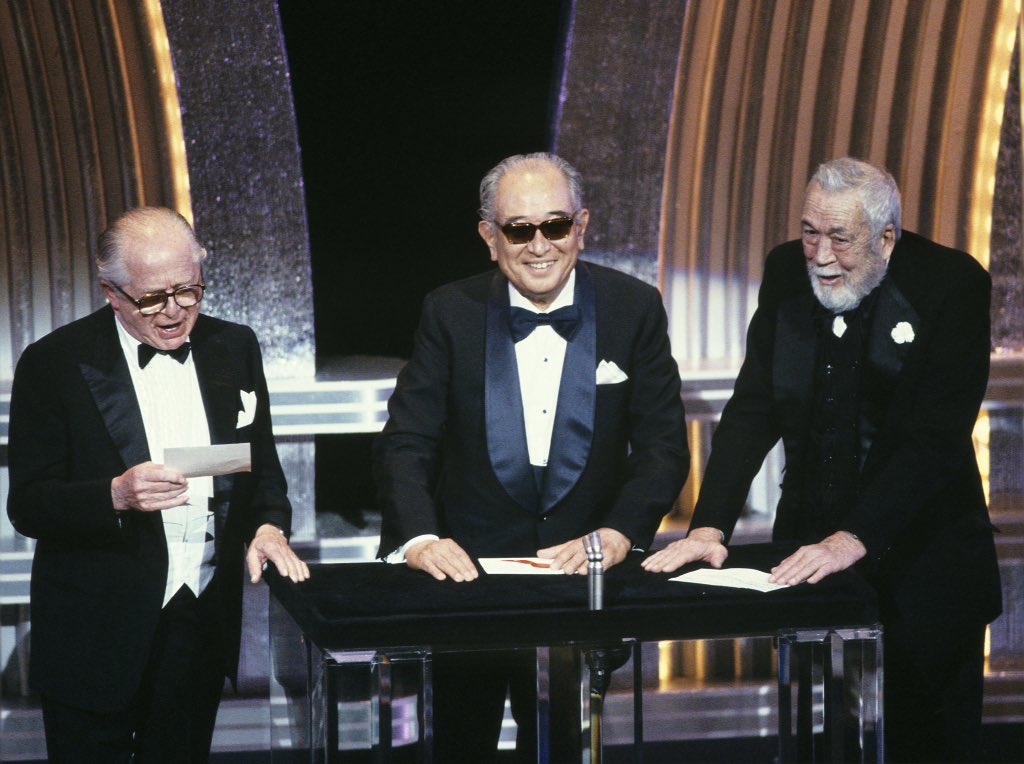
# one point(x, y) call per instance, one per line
point(360, 623)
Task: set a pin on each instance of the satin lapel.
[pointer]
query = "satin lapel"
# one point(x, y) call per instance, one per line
point(577, 398)
point(106, 373)
point(503, 403)
point(793, 363)
point(221, 396)
point(892, 310)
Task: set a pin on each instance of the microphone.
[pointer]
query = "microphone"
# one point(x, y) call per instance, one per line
point(595, 569)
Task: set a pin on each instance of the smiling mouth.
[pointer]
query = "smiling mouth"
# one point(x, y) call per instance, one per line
point(540, 266)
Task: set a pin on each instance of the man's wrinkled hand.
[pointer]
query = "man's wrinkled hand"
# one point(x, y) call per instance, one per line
point(149, 487)
point(812, 563)
point(571, 557)
point(441, 558)
point(270, 545)
point(703, 544)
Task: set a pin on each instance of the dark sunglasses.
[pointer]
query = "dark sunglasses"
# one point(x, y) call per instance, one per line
point(523, 233)
point(152, 303)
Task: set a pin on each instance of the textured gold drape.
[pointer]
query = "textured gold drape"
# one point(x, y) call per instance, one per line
point(83, 136)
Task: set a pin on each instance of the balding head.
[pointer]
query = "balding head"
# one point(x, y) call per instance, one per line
point(140, 230)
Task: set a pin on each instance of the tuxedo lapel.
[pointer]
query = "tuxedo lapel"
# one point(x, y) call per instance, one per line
point(221, 399)
point(106, 373)
point(795, 347)
point(218, 386)
point(893, 327)
point(503, 403)
point(577, 396)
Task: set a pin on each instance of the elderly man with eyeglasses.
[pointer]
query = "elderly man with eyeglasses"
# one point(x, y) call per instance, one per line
point(137, 574)
point(541, 403)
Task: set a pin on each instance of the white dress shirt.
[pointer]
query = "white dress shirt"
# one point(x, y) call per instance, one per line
point(539, 358)
point(173, 415)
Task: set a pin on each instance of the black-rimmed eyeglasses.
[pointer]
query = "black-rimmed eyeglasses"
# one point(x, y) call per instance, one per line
point(555, 229)
point(151, 303)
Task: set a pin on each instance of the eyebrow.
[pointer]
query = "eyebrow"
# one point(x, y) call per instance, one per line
point(550, 215)
point(165, 290)
point(829, 232)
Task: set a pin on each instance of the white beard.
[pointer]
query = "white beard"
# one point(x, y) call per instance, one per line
point(856, 284)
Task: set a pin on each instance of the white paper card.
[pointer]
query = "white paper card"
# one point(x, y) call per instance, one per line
point(736, 578)
point(528, 566)
point(197, 461)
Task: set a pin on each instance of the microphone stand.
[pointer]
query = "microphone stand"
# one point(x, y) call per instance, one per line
point(597, 660)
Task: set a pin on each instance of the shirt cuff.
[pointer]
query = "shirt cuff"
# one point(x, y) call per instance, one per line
point(721, 534)
point(398, 556)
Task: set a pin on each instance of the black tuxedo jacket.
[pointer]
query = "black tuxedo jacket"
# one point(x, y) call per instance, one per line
point(452, 459)
point(98, 577)
point(921, 510)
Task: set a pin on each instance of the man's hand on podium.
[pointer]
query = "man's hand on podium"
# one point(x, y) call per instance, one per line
point(571, 557)
point(441, 558)
point(813, 562)
point(703, 544)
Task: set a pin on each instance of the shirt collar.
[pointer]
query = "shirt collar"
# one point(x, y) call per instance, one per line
point(564, 299)
point(130, 345)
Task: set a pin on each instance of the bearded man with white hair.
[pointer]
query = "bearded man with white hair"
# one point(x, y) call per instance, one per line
point(868, 357)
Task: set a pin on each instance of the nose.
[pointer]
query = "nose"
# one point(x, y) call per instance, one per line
point(539, 244)
point(171, 307)
point(821, 252)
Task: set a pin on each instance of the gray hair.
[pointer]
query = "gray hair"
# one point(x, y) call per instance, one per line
point(879, 194)
point(135, 228)
point(489, 185)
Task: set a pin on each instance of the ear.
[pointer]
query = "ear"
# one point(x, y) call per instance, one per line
point(111, 295)
point(888, 241)
point(488, 232)
point(582, 218)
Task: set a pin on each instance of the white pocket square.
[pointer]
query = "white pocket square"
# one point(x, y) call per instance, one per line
point(248, 412)
point(610, 374)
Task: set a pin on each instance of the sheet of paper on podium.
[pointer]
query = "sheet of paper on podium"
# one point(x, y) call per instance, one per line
point(736, 578)
point(522, 566)
point(201, 461)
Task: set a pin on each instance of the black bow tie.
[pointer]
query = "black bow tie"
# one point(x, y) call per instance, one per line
point(146, 353)
point(565, 321)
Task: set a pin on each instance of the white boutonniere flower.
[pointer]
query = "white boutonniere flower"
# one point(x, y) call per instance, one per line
point(839, 326)
point(902, 332)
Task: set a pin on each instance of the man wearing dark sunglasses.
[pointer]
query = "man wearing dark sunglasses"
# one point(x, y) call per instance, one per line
point(541, 403)
point(137, 573)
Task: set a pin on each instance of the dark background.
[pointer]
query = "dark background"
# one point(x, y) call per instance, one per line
point(402, 107)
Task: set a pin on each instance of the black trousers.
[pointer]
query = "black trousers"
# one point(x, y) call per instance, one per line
point(935, 715)
point(172, 716)
point(469, 702)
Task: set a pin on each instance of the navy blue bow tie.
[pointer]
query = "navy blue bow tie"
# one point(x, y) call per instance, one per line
point(146, 353)
point(565, 321)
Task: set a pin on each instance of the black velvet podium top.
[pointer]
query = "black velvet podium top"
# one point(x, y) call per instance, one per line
point(357, 606)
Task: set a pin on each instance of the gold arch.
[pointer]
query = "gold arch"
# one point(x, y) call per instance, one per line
point(85, 126)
